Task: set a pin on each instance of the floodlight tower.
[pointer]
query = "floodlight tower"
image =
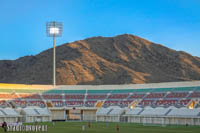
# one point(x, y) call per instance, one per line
point(54, 29)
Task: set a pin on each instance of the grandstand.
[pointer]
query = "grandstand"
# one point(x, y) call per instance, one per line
point(160, 103)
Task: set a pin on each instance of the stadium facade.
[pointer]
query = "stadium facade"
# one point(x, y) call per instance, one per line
point(158, 103)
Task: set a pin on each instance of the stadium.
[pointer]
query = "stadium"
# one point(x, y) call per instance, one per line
point(162, 104)
point(100, 66)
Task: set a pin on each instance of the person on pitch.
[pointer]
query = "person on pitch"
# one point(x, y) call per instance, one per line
point(4, 126)
point(117, 127)
point(89, 124)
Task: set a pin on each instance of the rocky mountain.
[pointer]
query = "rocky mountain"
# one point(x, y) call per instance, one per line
point(121, 59)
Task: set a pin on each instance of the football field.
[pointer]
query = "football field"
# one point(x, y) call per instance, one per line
point(76, 127)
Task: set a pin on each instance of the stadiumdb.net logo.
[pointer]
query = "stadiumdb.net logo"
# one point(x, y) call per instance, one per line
point(27, 128)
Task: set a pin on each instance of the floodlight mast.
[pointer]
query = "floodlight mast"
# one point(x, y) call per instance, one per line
point(54, 29)
point(54, 57)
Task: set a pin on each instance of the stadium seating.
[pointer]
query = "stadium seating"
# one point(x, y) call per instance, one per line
point(8, 96)
point(153, 98)
point(156, 95)
point(58, 103)
point(125, 103)
point(37, 103)
point(146, 102)
point(194, 94)
point(20, 103)
point(74, 103)
point(4, 104)
point(118, 96)
point(96, 96)
point(29, 96)
point(111, 103)
point(184, 101)
point(136, 96)
point(139, 105)
point(177, 95)
point(52, 96)
point(168, 102)
point(90, 103)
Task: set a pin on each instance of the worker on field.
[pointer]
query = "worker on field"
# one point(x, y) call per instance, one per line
point(4, 126)
point(83, 128)
point(117, 127)
point(89, 124)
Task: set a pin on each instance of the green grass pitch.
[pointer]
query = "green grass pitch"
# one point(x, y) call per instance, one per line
point(76, 127)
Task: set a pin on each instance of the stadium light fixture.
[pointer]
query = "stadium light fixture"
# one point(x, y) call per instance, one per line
point(54, 29)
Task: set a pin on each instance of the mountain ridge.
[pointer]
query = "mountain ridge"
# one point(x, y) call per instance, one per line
point(122, 59)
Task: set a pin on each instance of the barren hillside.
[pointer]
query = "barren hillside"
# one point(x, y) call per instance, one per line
point(104, 60)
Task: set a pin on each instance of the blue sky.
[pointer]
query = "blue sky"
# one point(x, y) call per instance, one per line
point(172, 23)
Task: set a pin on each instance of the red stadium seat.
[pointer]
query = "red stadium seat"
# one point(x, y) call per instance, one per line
point(29, 96)
point(52, 96)
point(177, 95)
point(96, 96)
point(8, 96)
point(118, 96)
point(155, 95)
point(195, 95)
point(137, 96)
point(37, 103)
